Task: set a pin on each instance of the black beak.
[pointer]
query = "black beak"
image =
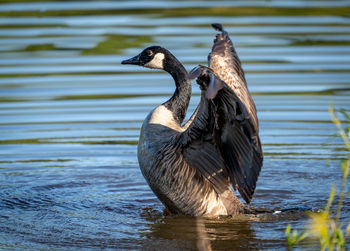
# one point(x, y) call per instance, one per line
point(134, 60)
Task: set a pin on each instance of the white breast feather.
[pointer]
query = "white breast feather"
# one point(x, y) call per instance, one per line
point(161, 115)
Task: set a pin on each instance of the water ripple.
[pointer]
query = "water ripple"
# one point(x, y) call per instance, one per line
point(70, 116)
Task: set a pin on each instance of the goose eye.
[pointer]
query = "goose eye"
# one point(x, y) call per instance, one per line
point(149, 53)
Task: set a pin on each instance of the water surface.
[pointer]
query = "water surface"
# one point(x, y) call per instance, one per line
point(70, 115)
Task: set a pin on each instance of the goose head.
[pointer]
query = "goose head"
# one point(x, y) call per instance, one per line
point(153, 57)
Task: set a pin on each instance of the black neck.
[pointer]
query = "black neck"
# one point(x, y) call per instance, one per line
point(180, 100)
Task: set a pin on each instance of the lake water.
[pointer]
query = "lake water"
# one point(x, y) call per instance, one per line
point(70, 116)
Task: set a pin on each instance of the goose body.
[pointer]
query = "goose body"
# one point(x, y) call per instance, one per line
point(174, 182)
point(191, 167)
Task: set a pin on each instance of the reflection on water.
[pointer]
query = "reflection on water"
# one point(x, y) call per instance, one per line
point(70, 115)
point(204, 234)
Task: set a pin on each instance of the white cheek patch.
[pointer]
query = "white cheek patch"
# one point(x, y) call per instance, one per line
point(157, 62)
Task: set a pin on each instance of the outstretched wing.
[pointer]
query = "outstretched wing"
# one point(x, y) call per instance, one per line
point(224, 61)
point(222, 142)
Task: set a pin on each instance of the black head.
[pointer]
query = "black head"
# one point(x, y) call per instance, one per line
point(151, 57)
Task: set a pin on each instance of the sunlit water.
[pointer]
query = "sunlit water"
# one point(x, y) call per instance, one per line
point(70, 115)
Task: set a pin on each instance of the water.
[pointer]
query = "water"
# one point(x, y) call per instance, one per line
point(70, 115)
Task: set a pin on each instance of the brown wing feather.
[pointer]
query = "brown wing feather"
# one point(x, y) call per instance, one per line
point(222, 142)
point(225, 63)
point(199, 149)
point(238, 141)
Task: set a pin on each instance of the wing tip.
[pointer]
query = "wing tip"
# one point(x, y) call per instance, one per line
point(217, 26)
point(221, 36)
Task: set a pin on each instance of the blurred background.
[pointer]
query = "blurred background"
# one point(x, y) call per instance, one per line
point(70, 115)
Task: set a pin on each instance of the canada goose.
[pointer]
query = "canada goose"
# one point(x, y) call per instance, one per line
point(191, 167)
